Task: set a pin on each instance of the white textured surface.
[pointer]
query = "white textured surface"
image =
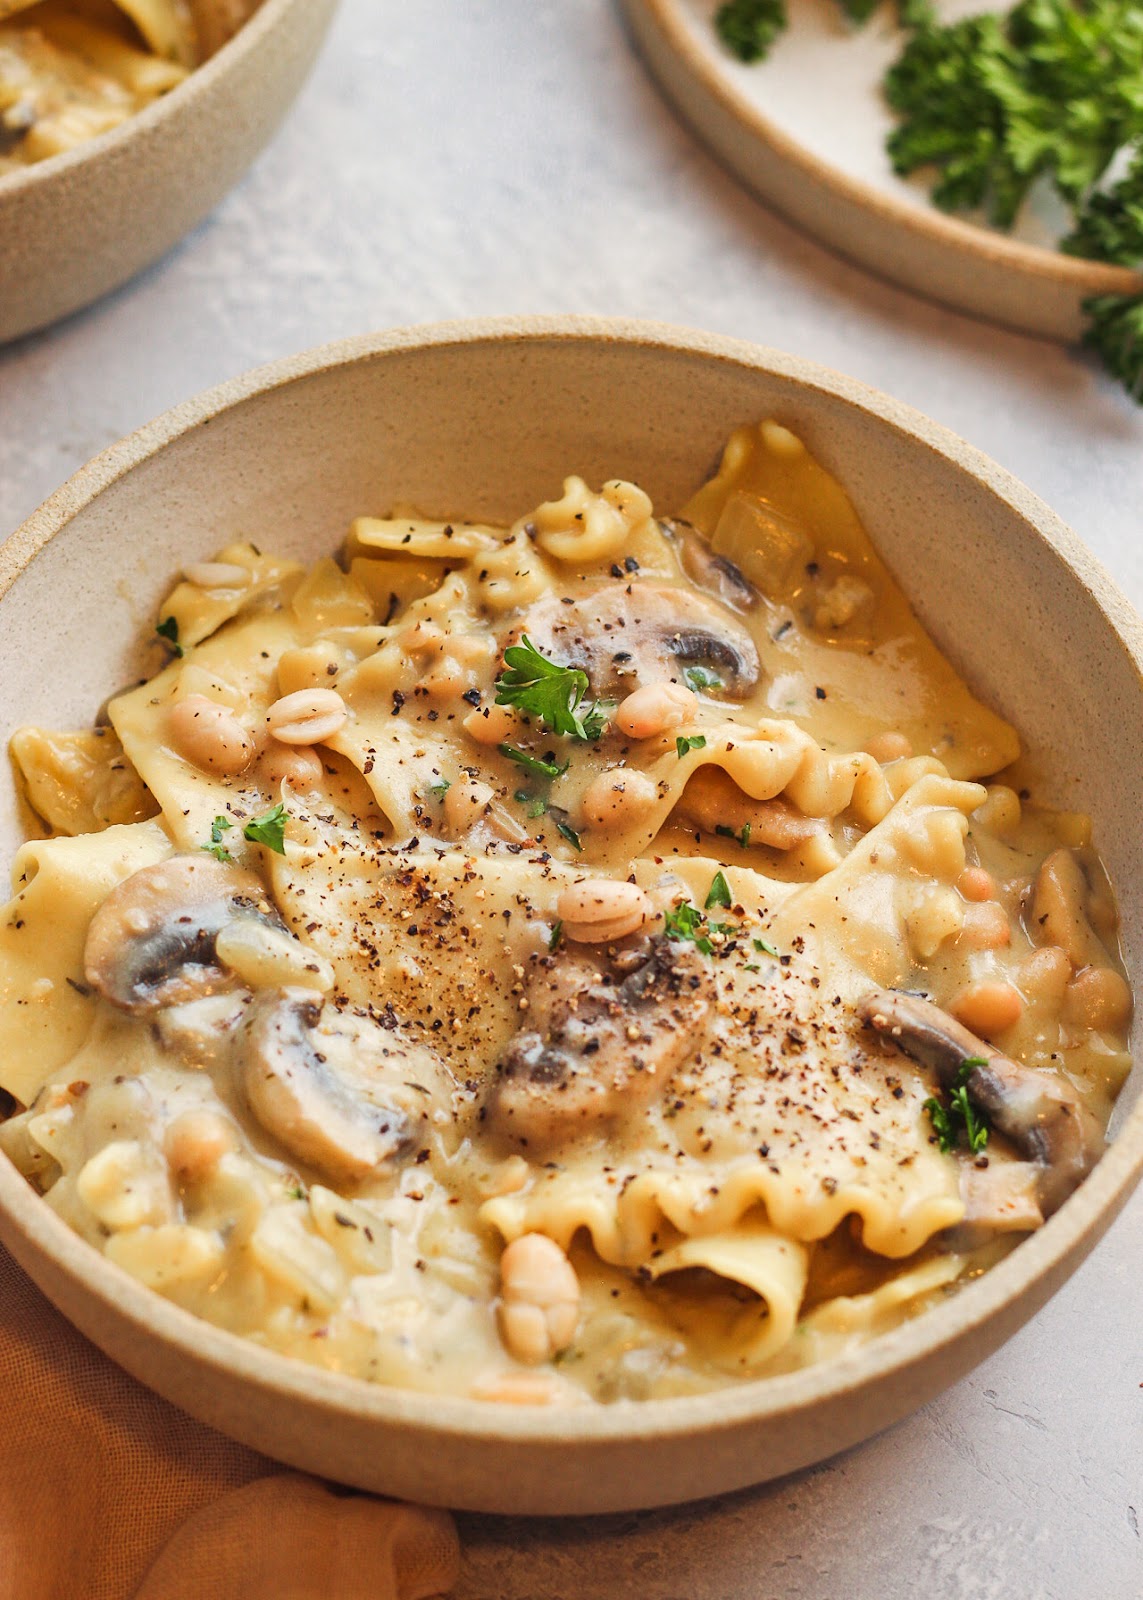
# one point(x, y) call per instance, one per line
point(456, 158)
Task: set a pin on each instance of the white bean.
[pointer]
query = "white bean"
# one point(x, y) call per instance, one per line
point(539, 1305)
point(988, 1007)
point(654, 708)
point(600, 910)
point(195, 1142)
point(298, 765)
point(210, 736)
point(617, 798)
point(308, 716)
point(217, 575)
point(465, 802)
point(1097, 998)
point(491, 726)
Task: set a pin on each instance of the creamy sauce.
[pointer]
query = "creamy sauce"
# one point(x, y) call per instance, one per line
point(73, 69)
point(557, 1055)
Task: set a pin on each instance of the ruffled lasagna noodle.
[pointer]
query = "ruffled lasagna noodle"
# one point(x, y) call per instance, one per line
point(600, 958)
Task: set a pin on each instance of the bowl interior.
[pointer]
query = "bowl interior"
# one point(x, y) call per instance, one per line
point(485, 423)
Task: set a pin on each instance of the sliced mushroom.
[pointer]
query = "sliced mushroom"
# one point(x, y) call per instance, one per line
point(1000, 1198)
point(625, 634)
point(1040, 1113)
point(152, 941)
point(717, 574)
point(603, 1049)
point(336, 1090)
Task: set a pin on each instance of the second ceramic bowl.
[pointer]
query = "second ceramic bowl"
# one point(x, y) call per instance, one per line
point(81, 224)
point(484, 420)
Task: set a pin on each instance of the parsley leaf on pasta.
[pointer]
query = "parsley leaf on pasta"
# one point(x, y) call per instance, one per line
point(546, 690)
point(216, 848)
point(269, 829)
point(719, 894)
point(534, 764)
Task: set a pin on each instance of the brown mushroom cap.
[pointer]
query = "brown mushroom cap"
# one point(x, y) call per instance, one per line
point(603, 1050)
point(1040, 1112)
point(627, 634)
point(707, 570)
point(152, 941)
point(338, 1093)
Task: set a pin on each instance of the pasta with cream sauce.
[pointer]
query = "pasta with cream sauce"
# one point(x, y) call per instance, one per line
point(73, 69)
point(602, 958)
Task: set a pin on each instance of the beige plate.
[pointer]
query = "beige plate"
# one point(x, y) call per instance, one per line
point(485, 419)
point(805, 129)
point(80, 224)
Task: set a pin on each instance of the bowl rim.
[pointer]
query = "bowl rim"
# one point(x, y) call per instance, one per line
point(248, 38)
point(965, 239)
point(1052, 1249)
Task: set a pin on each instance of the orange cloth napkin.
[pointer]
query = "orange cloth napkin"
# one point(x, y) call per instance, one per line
point(109, 1493)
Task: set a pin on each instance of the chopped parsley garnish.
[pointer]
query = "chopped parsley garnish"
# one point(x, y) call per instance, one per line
point(743, 834)
point(556, 936)
point(439, 790)
point(533, 764)
point(960, 1116)
point(168, 631)
point(701, 678)
point(689, 741)
point(719, 894)
point(569, 833)
point(216, 848)
point(535, 804)
point(544, 689)
point(685, 921)
point(764, 947)
point(269, 829)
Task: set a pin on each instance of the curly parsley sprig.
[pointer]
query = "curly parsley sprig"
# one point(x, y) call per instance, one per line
point(748, 28)
point(1050, 92)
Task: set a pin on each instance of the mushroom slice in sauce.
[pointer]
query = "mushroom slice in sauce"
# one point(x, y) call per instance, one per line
point(627, 634)
point(715, 574)
point(152, 941)
point(336, 1091)
point(604, 1049)
point(1040, 1113)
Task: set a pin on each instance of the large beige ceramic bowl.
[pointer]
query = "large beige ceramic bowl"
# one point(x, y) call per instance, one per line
point(80, 224)
point(484, 420)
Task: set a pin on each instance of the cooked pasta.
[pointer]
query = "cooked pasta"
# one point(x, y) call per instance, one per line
point(72, 69)
point(602, 958)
